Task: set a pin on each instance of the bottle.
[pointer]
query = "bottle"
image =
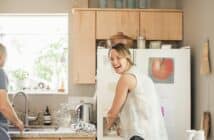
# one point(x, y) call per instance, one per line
point(47, 117)
point(103, 3)
point(61, 88)
point(142, 3)
point(141, 43)
point(118, 4)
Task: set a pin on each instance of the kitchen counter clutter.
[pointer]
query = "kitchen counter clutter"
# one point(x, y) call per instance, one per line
point(50, 133)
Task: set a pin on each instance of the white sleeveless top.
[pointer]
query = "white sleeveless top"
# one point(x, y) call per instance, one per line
point(141, 112)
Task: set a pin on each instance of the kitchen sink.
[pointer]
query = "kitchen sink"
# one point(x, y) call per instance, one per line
point(44, 131)
point(34, 129)
point(39, 129)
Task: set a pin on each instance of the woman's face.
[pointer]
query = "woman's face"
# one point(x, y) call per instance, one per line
point(118, 62)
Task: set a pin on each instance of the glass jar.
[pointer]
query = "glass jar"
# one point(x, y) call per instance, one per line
point(142, 3)
point(141, 43)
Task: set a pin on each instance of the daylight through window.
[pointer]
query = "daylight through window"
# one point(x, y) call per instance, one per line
point(37, 47)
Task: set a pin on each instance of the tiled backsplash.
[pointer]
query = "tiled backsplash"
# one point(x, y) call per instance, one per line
point(75, 100)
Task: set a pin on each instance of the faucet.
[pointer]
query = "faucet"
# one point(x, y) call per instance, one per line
point(26, 105)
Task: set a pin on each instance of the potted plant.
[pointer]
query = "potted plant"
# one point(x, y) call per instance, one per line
point(20, 76)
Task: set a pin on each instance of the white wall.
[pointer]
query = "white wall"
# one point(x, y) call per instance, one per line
point(40, 5)
point(198, 26)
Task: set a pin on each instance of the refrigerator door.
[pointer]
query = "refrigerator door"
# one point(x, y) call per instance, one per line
point(106, 84)
point(170, 71)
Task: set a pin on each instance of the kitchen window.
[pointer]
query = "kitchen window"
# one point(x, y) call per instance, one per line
point(37, 47)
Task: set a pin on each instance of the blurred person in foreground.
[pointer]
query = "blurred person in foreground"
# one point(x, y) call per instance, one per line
point(7, 112)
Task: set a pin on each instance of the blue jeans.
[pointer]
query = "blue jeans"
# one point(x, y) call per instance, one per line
point(136, 138)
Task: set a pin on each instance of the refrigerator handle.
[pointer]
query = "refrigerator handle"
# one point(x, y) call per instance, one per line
point(134, 56)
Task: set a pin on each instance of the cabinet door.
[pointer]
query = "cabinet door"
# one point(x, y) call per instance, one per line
point(111, 22)
point(83, 48)
point(161, 25)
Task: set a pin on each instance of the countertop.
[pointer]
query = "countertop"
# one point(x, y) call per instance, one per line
point(59, 133)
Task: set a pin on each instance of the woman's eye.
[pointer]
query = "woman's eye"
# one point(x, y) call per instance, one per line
point(118, 58)
point(111, 59)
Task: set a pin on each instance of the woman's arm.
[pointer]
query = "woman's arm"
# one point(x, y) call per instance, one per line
point(126, 83)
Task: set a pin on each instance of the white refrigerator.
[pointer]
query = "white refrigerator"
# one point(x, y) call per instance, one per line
point(170, 71)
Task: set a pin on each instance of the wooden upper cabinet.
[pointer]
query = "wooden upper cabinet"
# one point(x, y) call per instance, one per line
point(83, 47)
point(162, 25)
point(89, 25)
point(108, 23)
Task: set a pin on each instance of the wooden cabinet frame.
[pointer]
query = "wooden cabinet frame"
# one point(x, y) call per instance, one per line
point(83, 47)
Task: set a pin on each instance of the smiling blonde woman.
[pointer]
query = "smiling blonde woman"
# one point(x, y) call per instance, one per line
point(135, 101)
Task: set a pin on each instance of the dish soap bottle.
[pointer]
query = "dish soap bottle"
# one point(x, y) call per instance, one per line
point(47, 117)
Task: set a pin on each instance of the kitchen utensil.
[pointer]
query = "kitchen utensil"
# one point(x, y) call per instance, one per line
point(121, 38)
point(85, 112)
point(205, 123)
point(205, 64)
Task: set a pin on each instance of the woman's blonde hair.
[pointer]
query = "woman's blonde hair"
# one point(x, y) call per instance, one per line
point(123, 51)
point(3, 50)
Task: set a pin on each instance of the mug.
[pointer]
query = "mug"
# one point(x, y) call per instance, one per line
point(155, 45)
point(195, 135)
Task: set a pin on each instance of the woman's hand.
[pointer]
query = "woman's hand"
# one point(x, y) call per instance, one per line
point(118, 131)
point(112, 122)
point(108, 123)
point(110, 119)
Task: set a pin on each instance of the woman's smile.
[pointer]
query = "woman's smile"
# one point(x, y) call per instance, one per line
point(117, 67)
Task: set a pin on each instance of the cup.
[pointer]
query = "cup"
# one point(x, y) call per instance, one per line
point(195, 135)
point(199, 135)
point(190, 134)
point(155, 45)
point(142, 3)
point(141, 43)
point(103, 3)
